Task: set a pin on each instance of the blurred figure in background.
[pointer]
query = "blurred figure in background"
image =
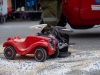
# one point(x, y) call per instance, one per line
point(0, 10)
point(30, 5)
point(0, 13)
point(20, 5)
point(24, 15)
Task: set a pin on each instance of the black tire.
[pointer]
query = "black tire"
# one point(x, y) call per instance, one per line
point(40, 54)
point(9, 52)
point(56, 54)
point(65, 49)
point(22, 55)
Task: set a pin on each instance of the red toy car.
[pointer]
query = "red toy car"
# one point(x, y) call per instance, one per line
point(81, 14)
point(40, 46)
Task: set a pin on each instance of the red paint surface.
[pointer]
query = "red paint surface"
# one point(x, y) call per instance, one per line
point(79, 12)
point(29, 45)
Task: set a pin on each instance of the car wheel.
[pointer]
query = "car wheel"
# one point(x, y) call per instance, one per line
point(56, 54)
point(9, 52)
point(40, 54)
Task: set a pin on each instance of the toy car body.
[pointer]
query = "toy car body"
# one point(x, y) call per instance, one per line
point(40, 46)
point(82, 14)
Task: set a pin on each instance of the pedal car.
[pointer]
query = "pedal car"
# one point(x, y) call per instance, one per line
point(40, 46)
point(81, 14)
